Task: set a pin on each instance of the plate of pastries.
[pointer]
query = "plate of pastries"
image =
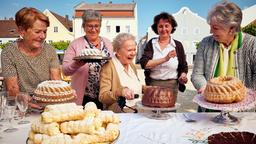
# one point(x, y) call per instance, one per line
point(74, 124)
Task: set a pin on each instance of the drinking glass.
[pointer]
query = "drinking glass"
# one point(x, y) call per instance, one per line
point(9, 112)
point(22, 100)
point(3, 97)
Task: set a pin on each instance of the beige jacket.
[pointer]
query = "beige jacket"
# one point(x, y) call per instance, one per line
point(110, 86)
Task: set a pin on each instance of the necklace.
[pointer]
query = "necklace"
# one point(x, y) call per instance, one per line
point(92, 44)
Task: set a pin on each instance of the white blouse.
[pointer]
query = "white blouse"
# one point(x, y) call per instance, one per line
point(166, 70)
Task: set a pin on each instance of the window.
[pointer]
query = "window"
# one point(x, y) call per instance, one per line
point(50, 41)
point(117, 29)
point(108, 29)
point(184, 30)
point(127, 29)
point(196, 31)
point(55, 29)
point(1, 41)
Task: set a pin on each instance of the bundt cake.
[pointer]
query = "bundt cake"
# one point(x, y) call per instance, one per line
point(91, 53)
point(232, 138)
point(160, 97)
point(53, 91)
point(224, 90)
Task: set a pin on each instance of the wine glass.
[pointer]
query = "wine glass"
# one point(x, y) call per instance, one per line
point(9, 111)
point(3, 97)
point(22, 100)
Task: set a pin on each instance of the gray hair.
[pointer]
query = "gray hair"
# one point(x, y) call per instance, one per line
point(91, 15)
point(226, 13)
point(120, 39)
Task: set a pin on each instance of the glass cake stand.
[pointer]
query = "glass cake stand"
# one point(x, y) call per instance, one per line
point(157, 113)
point(225, 117)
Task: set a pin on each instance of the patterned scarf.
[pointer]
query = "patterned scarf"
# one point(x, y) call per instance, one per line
point(236, 44)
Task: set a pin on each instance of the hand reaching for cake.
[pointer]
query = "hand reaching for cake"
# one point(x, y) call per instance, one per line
point(128, 93)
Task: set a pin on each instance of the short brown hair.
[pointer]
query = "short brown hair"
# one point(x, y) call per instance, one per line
point(165, 16)
point(26, 17)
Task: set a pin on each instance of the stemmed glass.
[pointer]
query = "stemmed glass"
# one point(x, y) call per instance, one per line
point(3, 97)
point(22, 100)
point(9, 111)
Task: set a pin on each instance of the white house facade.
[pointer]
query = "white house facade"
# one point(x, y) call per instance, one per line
point(116, 18)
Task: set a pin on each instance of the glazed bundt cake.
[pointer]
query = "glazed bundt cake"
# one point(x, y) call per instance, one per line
point(232, 138)
point(160, 97)
point(224, 90)
point(53, 91)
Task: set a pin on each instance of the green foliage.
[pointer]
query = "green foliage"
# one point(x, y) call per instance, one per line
point(197, 44)
point(3, 45)
point(250, 29)
point(61, 45)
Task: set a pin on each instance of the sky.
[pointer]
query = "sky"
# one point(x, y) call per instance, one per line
point(146, 9)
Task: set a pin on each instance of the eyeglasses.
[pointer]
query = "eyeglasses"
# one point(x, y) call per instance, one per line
point(92, 26)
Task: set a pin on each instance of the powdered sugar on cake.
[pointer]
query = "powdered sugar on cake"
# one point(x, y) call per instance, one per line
point(92, 53)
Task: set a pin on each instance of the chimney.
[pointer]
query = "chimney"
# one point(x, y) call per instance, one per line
point(99, 2)
point(110, 2)
point(66, 16)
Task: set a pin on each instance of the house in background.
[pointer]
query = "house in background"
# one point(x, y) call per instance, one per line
point(8, 31)
point(60, 29)
point(116, 18)
point(248, 15)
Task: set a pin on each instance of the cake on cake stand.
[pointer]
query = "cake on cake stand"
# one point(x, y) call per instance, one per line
point(91, 58)
point(225, 117)
point(157, 113)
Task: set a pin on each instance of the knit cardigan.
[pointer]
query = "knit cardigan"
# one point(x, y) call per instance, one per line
point(208, 55)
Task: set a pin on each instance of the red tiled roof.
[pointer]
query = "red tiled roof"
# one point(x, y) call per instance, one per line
point(67, 23)
point(107, 9)
point(105, 6)
point(8, 29)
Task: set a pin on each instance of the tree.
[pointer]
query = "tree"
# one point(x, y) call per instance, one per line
point(250, 29)
point(61, 45)
point(3, 45)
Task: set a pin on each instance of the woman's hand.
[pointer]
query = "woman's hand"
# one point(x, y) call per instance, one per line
point(128, 93)
point(79, 62)
point(183, 78)
point(171, 54)
point(201, 90)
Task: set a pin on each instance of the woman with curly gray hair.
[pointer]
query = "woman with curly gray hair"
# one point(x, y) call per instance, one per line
point(119, 77)
point(228, 51)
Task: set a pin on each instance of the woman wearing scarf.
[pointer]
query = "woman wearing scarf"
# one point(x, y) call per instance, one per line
point(227, 52)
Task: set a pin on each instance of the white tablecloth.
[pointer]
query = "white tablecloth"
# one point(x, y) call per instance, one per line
point(136, 128)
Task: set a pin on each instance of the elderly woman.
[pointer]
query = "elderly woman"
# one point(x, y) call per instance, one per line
point(29, 60)
point(227, 51)
point(164, 59)
point(119, 77)
point(85, 76)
